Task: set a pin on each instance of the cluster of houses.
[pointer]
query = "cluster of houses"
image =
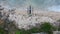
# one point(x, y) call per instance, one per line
point(29, 18)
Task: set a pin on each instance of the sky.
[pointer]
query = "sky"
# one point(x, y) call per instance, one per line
point(43, 4)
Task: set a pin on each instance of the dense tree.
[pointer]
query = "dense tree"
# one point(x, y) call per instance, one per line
point(47, 27)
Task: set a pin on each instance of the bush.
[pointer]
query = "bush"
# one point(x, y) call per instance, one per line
point(47, 27)
point(34, 30)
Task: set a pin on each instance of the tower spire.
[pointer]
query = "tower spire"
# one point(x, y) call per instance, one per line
point(29, 10)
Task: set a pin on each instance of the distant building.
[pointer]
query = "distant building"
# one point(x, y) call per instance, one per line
point(29, 10)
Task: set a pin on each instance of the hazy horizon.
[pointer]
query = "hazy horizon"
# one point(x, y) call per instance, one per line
point(43, 4)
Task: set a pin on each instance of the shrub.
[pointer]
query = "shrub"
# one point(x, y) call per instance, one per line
point(47, 27)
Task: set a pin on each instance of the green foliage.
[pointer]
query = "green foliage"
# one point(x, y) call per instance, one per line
point(17, 32)
point(34, 30)
point(47, 27)
point(21, 31)
point(2, 31)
